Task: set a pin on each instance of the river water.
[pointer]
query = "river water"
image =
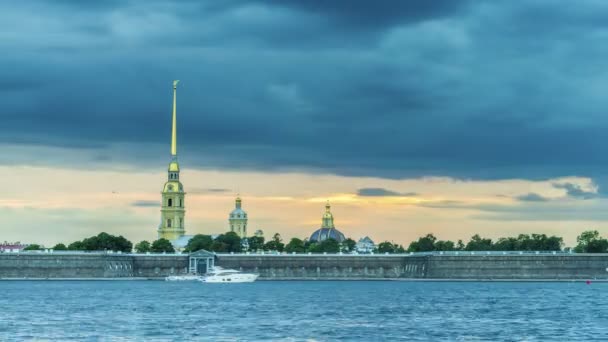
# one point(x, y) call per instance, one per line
point(302, 311)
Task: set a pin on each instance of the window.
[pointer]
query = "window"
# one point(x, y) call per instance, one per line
point(170, 202)
point(181, 222)
point(169, 223)
point(181, 204)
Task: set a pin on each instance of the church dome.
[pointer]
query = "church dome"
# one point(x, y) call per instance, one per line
point(238, 212)
point(323, 234)
point(173, 186)
point(327, 230)
point(174, 166)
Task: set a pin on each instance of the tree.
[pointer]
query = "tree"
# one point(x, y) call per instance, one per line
point(60, 247)
point(33, 247)
point(275, 244)
point(348, 245)
point(256, 243)
point(76, 246)
point(444, 245)
point(506, 244)
point(219, 246)
point(103, 242)
point(479, 244)
point(162, 246)
point(597, 246)
point(387, 247)
point(460, 245)
point(553, 243)
point(229, 242)
point(198, 242)
point(525, 242)
point(330, 246)
point(591, 242)
point(424, 244)
point(325, 246)
point(295, 245)
point(143, 247)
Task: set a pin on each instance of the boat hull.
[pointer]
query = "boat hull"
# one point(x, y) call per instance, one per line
point(183, 278)
point(231, 278)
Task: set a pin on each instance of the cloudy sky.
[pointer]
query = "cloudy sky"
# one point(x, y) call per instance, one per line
point(450, 117)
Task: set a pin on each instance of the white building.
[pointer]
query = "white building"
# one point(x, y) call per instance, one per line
point(365, 245)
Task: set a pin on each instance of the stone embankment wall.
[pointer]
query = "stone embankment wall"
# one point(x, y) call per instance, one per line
point(89, 265)
point(326, 266)
point(47, 265)
point(155, 265)
point(440, 267)
point(416, 267)
point(520, 267)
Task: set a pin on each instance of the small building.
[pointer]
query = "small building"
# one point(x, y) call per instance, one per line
point(327, 230)
point(365, 245)
point(201, 261)
point(8, 247)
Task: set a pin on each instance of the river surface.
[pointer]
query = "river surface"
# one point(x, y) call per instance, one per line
point(302, 311)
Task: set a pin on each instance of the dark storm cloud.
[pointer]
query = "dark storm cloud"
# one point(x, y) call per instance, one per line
point(381, 192)
point(208, 190)
point(532, 197)
point(146, 203)
point(482, 90)
point(361, 14)
point(575, 191)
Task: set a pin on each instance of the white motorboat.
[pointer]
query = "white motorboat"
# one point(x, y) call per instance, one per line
point(220, 275)
point(186, 277)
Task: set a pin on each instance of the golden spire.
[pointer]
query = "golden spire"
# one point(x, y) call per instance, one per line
point(328, 218)
point(174, 131)
point(238, 201)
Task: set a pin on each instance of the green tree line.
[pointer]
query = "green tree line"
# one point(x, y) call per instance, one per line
point(587, 242)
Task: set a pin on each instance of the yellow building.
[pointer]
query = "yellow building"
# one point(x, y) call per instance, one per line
point(172, 210)
point(238, 219)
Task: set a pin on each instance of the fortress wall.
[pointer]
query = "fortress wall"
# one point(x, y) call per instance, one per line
point(524, 267)
point(326, 266)
point(442, 267)
point(55, 265)
point(155, 265)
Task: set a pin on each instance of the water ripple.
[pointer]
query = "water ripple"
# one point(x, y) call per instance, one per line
point(302, 311)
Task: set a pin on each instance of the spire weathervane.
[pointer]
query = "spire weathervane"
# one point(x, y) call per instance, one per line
point(174, 131)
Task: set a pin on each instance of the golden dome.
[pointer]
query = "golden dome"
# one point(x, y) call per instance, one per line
point(173, 186)
point(174, 166)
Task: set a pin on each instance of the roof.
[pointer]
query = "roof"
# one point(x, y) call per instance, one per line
point(238, 211)
point(366, 240)
point(323, 234)
point(173, 186)
point(202, 253)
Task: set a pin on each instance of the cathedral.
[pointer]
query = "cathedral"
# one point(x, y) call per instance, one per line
point(172, 212)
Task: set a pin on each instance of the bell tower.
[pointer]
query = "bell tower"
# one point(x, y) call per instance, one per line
point(238, 219)
point(172, 209)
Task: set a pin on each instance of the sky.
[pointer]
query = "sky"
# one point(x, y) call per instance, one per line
point(410, 117)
